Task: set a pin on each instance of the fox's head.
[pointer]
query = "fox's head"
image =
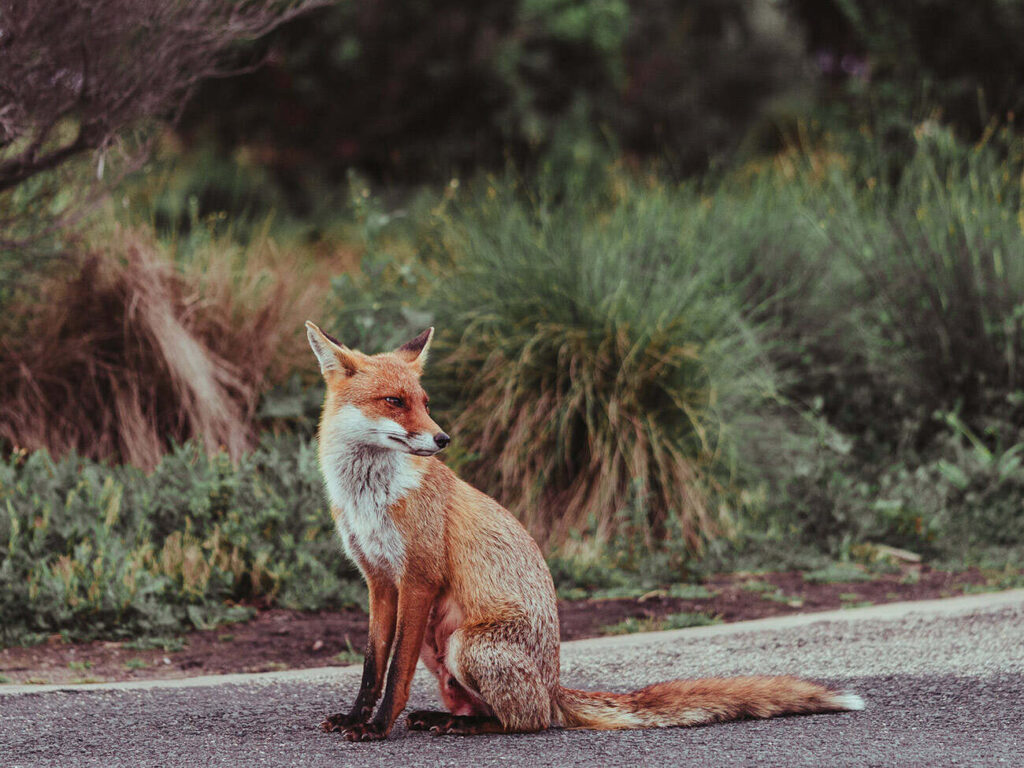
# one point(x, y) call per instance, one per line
point(377, 401)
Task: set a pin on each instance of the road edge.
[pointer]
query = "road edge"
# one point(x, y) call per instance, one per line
point(943, 606)
point(947, 606)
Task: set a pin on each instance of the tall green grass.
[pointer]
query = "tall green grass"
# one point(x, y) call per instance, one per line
point(600, 364)
point(892, 295)
point(941, 258)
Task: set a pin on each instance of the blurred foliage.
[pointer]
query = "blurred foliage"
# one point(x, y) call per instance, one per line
point(967, 495)
point(769, 368)
point(412, 90)
point(781, 362)
point(423, 90)
point(86, 88)
point(133, 342)
point(901, 61)
point(891, 298)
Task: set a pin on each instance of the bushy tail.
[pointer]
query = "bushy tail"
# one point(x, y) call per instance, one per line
point(699, 702)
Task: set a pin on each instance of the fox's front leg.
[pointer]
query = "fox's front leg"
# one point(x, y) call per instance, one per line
point(383, 606)
point(414, 604)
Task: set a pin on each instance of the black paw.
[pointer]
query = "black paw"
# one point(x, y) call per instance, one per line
point(341, 721)
point(453, 727)
point(365, 732)
point(425, 720)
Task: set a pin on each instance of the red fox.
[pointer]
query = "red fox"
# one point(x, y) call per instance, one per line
point(455, 579)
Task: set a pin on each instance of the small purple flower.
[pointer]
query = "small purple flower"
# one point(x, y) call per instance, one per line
point(856, 66)
point(826, 61)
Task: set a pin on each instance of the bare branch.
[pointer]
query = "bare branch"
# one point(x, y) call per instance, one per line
point(74, 74)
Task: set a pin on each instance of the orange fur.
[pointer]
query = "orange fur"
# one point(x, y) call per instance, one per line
point(456, 580)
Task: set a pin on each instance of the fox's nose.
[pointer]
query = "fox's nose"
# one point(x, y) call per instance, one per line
point(442, 439)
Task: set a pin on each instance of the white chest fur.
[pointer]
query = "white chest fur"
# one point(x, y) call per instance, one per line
point(362, 483)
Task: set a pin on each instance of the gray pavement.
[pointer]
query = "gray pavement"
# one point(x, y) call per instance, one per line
point(944, 685)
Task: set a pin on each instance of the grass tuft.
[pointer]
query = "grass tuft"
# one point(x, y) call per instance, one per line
point(139, 345)
point(681, 620)
point(597, 364)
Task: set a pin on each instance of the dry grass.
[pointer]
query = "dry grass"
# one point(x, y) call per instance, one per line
point(593, 367)
point(129, 351)
point(575, 434)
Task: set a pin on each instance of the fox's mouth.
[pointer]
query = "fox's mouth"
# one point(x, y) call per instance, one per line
point(410, 449)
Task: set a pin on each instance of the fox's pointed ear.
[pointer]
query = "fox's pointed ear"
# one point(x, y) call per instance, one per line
point(333, 356)
point(415, 350)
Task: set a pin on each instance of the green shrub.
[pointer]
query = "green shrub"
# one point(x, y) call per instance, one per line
point(966, 494)
point(937, 256)
point(93, 550)
point(593, 362)
point(385, 301)
point(885, 297)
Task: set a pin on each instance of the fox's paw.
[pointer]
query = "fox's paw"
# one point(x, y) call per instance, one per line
point(425, 719)
point(340, 722)
point(365, 732)
point(444, 724)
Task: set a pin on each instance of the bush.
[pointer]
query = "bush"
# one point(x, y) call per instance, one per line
point(938, 260)
point(589, 360)
point(965, 497)
point(91, 550)
point(89, 78)
point(935, 278)
point(920, 55)
point(885, 298)
point(141, 343)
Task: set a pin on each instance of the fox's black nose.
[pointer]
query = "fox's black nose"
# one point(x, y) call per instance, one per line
point(442, 439)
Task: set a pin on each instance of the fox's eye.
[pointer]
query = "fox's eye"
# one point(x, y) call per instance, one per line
point(395, 401)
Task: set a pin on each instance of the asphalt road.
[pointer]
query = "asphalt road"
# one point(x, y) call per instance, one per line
point(943, 687)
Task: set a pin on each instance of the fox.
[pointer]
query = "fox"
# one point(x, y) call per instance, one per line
point(455, 580)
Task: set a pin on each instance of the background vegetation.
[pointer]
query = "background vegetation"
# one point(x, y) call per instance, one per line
point(717, 286)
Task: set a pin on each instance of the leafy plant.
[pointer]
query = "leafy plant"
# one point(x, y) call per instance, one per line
point(94, 550)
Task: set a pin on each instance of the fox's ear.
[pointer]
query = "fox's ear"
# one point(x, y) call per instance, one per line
point(415, 350)
point(333, 356)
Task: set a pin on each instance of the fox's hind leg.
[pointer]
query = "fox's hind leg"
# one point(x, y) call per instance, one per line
point(499, 671)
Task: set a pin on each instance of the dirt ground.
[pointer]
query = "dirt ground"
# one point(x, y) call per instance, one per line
point(282, 639)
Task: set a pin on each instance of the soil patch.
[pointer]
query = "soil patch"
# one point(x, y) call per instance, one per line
point(283, 639)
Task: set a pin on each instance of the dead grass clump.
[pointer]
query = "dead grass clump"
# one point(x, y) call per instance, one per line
point(127, 355)
point(579, 432)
